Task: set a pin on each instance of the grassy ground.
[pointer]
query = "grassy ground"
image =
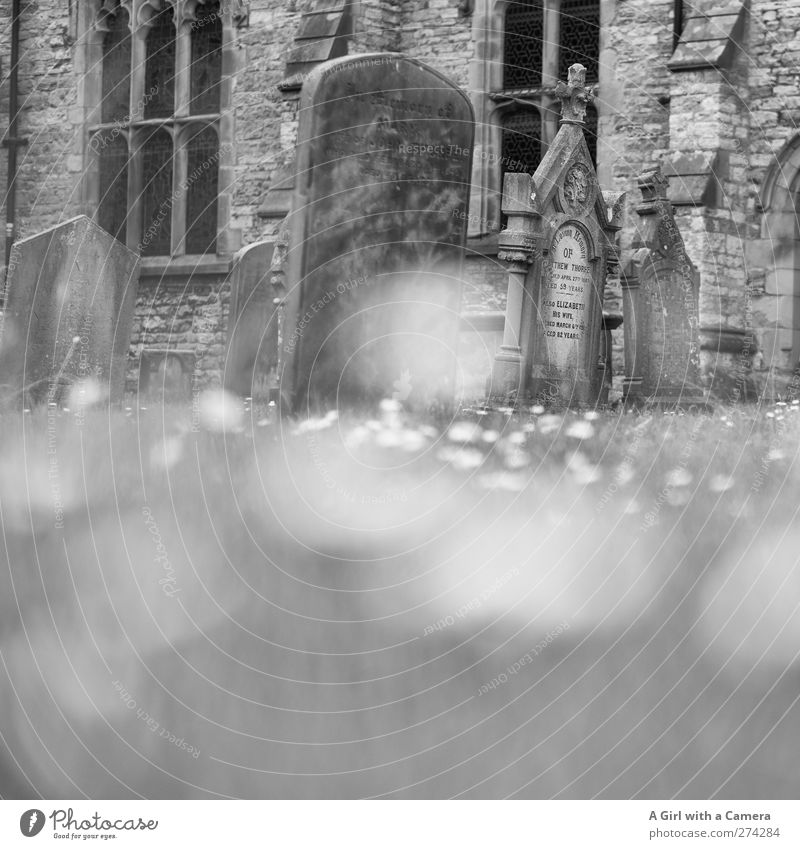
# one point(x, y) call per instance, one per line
point(213, 603)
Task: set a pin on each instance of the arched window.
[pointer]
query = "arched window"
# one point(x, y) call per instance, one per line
point(156, 149)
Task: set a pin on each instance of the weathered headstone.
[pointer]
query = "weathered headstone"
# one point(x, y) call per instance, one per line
point(70, 297)
point(252, 353)
point(556, 315)
point(378, 230)
point(661, 306)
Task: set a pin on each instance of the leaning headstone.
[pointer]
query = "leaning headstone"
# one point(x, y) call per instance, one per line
point(661, 307)
point(251, 360)
point(70, 296)
point(377, 236)
point(554, 322)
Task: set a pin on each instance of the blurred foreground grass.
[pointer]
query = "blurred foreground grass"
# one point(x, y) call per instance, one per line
point(502, 604)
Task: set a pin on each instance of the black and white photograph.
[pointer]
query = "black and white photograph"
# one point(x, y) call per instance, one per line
point(400, 400)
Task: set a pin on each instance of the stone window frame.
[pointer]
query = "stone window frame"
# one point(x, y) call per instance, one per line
point(775, 255)
point(181, 124)
point(492, 102)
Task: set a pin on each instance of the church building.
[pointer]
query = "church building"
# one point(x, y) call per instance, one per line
point(173, 124)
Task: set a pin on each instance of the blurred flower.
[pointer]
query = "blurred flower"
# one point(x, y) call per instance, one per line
point(549, 423)
point(490, 436)
point(624, 473)
point(678, 497)
point(537, 409)
point(412, 440)
point(591, 416)
point(166, 453)
point(503, 480)
point(465, 432)
point(517, 438)
point(85, 393)
point(580, 430)
point(221, 411)
point(721, 483)
point(587, 474)
point(461, 458)
point(678, 477)
point(582, 470)
point(517, 459)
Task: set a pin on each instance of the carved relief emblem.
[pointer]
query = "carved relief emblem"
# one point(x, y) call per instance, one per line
point(577, 185)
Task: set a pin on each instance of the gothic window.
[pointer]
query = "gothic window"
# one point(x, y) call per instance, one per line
point(155, 150)
point(523, 47)
point(590, 131)
point(206, 60)
point(117, 68)
point(524, 34)
point(580, 37)
point(201, 203)
point(159, 75)
point(522, 130)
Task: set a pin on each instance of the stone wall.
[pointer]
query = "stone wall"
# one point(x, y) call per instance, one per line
point(746, 112)
point(188, 319)
point(50, 119)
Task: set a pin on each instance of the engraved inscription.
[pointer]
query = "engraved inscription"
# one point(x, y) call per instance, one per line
point(565, 296)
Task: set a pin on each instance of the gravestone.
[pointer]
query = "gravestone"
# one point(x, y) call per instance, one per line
point(377, 233)
point(70, 298)
point(554, 321)
point(251, 360)
point(661, 307)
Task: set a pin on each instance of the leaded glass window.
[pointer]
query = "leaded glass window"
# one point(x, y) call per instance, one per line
point(522, 140)
point(590, 132)
point(524, 34)
point(580, 37)
point(160, 66)
point(206, 60)
point(157, 196)
point(201, 204)
point(117, 68)
point(157, 168)
point(113, 153)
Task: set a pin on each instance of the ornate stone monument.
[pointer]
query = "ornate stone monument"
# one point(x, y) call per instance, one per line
point(556, 315)
point(377, 233)
point(661, 307)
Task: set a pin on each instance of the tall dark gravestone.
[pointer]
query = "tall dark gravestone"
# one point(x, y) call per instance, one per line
point(70, 297)
point(560, 226)
point(251, 360)
point(661, 307)
point(378, 230)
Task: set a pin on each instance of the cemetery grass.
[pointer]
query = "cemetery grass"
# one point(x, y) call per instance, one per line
point(532, 604)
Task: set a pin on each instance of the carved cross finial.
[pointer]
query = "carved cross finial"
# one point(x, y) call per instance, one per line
point(653, 185)
point(574, 95)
